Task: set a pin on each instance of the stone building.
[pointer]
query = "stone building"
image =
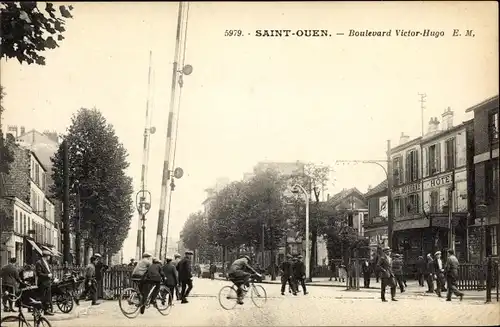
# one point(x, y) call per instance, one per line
point(375, 223)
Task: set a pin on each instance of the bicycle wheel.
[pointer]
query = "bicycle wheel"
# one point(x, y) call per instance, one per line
point(258, 295)
point(228, 297)
point(129, 303)
point(43, 322)
point(164, 300)
point(13, 321)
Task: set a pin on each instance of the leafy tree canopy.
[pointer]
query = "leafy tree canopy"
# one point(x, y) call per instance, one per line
point(194, 232)
point(6, 157)
point(29, 28)
point(97, 163)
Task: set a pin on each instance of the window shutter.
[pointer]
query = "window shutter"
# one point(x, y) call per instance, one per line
point(424, 161)
point(407, 168)
point(438, 157)
point(415, 165)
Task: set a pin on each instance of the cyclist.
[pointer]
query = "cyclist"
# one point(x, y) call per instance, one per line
point(239, 274)
point(139, 275)
point(155, 276)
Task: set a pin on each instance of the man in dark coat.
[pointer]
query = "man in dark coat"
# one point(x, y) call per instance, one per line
point(333, 272)
point(366, 269)
point(44, 278)
point(185, 276)
point(10, 283)
point(90, 290)
point(100, 268)
point(170, 273)
point(429, 273)
point(385, 266)
point(213, 270)
point(451, 271)
point(397, 269)
point(154, 276)
point(420, 270)
point(299, 274)
point(286, 275)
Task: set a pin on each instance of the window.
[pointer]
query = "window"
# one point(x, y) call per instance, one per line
point(43, 182)
point(433, 159)
point(493, 127)
point(398, 207)
point(494, 239)
point(29, 223)
point(24, 224)
point(412, 205)
point(411, 166)
point(449, 156)
point(434, 199)
point(37, 174)
point(16, 222)
point(397, 167)
point(492, 180)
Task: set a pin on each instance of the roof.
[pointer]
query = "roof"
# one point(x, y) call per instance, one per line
point(484, 103)
point(337, 198)
point(377, 189)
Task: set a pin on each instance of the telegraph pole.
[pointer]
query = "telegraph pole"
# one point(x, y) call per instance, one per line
point(422, 108)
point(67, 244)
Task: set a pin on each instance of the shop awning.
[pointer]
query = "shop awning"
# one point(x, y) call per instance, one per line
point(35, 246)
point(54, 252)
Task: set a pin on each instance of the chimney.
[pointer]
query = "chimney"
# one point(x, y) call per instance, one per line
point(22, 130)
point(447, 118)
point(433, 125)
point(403, 138)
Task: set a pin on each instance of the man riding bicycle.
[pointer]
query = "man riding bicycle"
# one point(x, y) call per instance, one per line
point(239, 275)
point(139, 275)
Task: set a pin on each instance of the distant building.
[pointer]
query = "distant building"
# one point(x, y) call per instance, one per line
point(484, 186)
point(375, 223)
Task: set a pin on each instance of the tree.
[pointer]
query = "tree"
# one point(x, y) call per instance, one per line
point(194, 232)
point(28, 30)
point(97, 163)
point(6, 157)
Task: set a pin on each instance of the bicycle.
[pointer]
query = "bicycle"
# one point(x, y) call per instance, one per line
point(257, 292)
point(132, 297)
point(20, 320)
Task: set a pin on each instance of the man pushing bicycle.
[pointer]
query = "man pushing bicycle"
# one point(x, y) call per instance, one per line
point(239, 274)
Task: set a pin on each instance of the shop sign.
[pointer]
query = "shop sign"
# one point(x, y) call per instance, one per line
point(407, 189)
point(438, 181)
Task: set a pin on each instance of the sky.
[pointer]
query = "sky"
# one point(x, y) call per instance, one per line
point(252, 99)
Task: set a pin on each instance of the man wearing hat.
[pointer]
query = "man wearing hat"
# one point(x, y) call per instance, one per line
point(185, 276)
point(429, 272)
point(385, 267)
point(100, 268)
point(139, 275)
point(439, 269)
point(397, 268)
point(177, 258)
point(90, 282)
point(171, 280)
point(451, 270)
point(44, 281)
point(286, 275)
point(299, 274)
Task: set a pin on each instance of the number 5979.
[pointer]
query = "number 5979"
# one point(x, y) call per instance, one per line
point(233, 33)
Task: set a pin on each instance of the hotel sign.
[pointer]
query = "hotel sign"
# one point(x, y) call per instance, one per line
point(439, 181)
point(408, 189)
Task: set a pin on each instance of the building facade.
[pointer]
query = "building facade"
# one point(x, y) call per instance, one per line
point(26, 212)
point(430, 179)
point(483, 234)
point(375, 224)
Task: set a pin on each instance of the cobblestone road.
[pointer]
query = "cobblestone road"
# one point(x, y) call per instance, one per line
point(322, 306)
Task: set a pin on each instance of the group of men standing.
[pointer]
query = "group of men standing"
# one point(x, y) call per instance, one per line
point(174, 274)
point(293, 273)
point(392, 276)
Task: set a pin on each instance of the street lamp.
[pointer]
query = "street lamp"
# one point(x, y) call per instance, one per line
point(143, 205)
point(295, 190)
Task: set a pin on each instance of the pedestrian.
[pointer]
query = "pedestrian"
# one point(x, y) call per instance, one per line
point(286, 275)
point(451, 271)
point(177, 258)
point(439, 273)
point(44, 282)
point(170, 273)
point(342, 273)
point(132, 263)
point(429, 272)
point(213, 270)
point(185, 276)
point(366, 269)
point(385, 266)
point(332, 270)
point(100, 268)
point(10, 283)
point(155, 276)
point(90, 291)
point(299, 274)
point(397, 268)
point(420, 270)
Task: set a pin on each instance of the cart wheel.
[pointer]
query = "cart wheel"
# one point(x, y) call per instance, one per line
point(65, 302)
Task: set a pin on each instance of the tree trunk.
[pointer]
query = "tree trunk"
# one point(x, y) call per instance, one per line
point(312, 259)
point(224, 250)
point(273, 265)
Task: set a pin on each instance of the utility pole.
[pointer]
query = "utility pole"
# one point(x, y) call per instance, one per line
point(451, 192)
point(67, 243)
point(390, 209)
point(78, 239)
point(168, 143)
point(422, 108)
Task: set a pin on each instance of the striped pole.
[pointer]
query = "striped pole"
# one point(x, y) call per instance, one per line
point(168, 145)
point(145, 150)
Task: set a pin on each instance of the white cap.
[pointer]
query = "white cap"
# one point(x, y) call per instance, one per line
point(146, 255)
